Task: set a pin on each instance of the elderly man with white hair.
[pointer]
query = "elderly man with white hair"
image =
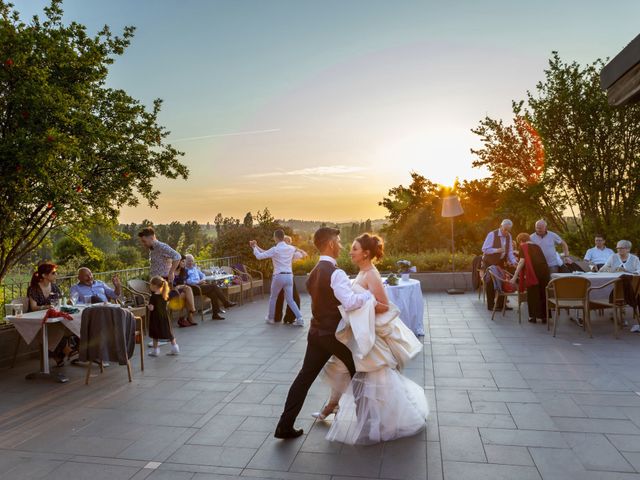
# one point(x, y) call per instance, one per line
point(547, 241)
point(195, 276)
point(498, 250)
point(623, 261)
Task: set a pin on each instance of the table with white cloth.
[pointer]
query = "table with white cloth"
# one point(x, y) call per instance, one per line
point(407, 296)
point(597, 279)
point(29, 325)
point(217, 277)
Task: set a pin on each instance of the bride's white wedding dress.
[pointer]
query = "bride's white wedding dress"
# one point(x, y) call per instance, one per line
point(379, 404)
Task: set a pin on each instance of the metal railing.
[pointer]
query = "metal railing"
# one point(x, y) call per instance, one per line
point(15, 289)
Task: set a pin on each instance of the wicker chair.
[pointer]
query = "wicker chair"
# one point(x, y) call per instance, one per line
point(520, 296)
point(567, 293)
point(232, 289)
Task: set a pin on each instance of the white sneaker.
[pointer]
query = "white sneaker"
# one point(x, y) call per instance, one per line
point(635, 328)
point(160, 343)
point(298, 323)
point(154, 352)
point(270, 321)
point(175, 350)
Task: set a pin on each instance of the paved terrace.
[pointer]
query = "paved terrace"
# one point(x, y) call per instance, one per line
point(508, 402)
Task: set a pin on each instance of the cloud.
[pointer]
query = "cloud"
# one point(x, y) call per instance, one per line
point(329, 170)
point(230, 134)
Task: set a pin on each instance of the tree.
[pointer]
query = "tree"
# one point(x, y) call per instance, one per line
point(72, 151)
point(588, 153)
point(248, 220)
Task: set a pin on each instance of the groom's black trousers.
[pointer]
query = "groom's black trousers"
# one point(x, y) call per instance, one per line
point(319, 350)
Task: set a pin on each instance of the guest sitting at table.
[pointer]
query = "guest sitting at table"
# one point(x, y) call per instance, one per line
point(194, 276)
point(184, 291)
point(599, 254)
point(623, 261)
point(43, 291)
point(87, 286)
point(533, 275)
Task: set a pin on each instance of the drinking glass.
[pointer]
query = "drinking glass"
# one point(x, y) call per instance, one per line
point(75, 296)
point(87, 299)
point(17, 309)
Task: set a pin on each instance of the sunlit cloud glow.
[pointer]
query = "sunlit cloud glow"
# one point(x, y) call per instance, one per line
point(332, 170)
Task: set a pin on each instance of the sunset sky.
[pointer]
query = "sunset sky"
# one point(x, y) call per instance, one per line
point(316, 108)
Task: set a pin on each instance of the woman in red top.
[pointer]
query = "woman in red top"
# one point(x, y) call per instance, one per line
point(532, 275)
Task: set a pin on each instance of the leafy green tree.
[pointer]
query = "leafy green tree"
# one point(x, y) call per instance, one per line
point(72, 151)
point(585, 153)
point(248, 220)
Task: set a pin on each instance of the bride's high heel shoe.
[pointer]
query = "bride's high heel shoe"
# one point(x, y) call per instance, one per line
point(326, 411)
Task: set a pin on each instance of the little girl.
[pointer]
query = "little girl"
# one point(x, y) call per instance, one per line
point(159, 322)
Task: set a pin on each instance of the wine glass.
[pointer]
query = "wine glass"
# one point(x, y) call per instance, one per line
point(75, 296)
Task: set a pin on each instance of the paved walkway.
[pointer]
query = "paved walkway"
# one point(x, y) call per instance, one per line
point(508, 402)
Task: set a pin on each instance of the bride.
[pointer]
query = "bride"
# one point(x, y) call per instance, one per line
point(379, 403)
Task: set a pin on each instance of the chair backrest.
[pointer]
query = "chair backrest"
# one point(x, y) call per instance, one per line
point(107, 333)
point(139, 286)
point(570, 288)
point(618, 292)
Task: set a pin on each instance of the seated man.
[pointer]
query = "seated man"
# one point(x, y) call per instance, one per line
point(96, 289)
point(598, 255)
point(195, 276)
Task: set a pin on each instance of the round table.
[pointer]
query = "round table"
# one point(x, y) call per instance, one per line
point(407, 296)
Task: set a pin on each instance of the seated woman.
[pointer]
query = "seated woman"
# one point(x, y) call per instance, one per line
point(43, 291)
point(185, 292)
point(623, 261)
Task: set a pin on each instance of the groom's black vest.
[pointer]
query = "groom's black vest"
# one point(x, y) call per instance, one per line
point(324, 304)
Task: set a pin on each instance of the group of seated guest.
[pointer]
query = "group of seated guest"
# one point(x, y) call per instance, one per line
point(604, 259)
point(189, 275)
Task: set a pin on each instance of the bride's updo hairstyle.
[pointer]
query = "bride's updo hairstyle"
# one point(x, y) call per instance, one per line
point(372, 244)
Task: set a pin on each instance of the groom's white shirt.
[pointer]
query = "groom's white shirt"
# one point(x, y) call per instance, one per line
point(342, 289)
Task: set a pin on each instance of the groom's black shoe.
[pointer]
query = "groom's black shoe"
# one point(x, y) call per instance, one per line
point(285, 433)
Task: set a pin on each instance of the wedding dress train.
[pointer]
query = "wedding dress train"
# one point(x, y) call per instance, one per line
point(379, 403)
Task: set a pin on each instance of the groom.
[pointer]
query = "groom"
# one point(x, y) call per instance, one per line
point(329, 287)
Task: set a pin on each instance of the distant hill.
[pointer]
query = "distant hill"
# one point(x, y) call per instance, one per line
point(306, 226)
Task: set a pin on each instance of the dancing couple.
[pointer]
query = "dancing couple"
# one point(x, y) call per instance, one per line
point(358, 340)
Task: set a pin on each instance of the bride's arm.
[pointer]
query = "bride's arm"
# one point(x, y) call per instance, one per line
point(375, 286)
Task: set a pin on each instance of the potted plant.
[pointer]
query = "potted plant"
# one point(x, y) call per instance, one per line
point(404, 269)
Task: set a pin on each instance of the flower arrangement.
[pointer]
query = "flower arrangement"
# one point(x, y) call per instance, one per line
point(392, 280)
point(404, 266)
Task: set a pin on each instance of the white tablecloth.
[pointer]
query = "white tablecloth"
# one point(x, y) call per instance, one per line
point(29, 324)
point(596, 279)
point(407, 296)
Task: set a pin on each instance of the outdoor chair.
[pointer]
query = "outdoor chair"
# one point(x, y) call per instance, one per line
point(202, 303)
point(617, 304)
point(232, 288)
point(108, 334)
point(25, 308)
point(567, 293)
point(256, 278)
point(521, 297)
point(140, 287)
point(481, 286)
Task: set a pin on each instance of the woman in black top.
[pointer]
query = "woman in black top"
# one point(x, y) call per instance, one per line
point(43, 291)
point(533, 274)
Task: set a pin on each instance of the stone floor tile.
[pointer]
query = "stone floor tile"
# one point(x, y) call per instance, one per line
point(461, 444)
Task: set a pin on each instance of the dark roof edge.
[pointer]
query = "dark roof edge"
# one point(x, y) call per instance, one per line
point(621, 63)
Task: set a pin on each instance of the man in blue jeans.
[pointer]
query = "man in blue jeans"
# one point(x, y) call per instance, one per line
point(282, 256)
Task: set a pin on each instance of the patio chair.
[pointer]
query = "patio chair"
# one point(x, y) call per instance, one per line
point(617, 304)
point(108, 334)
point(140, 287)
point(232, 289)
point(481, 286)
point(567, 293)
point(25, 308)
point(256, 278)
point(202, 303)
point(521, 297)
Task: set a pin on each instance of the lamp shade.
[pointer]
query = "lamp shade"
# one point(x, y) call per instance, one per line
point(451, 207)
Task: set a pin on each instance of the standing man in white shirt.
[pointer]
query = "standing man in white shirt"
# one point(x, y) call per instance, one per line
point(598, 255)
point(282, 256)
point(547, 241)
